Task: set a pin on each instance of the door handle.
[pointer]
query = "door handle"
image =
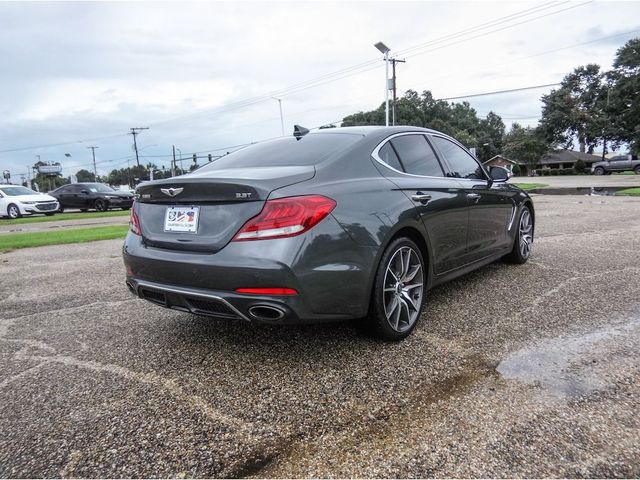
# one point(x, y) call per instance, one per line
point(473, 196)
point(421, 197)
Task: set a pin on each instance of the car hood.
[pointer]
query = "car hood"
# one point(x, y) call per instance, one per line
point(42, 197)
point(597, 164)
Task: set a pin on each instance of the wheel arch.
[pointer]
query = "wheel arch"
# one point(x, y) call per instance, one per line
point(414, 233)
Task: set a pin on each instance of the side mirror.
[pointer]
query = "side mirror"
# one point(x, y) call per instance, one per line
point(498, 174)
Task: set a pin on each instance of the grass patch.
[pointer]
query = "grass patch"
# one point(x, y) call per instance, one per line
point(530, 186)
point(12, 241)
point(631, 192)
point(65, 216)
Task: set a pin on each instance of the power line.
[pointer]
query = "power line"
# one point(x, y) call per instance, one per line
point(349, 71)
point(498, 92)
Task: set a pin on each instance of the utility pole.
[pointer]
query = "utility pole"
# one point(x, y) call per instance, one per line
point(281, 117)
point(95, 171)
point(393, 66)
point(136, 131)
point(173, 165)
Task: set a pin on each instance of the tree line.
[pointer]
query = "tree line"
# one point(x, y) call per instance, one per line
point(591, 107)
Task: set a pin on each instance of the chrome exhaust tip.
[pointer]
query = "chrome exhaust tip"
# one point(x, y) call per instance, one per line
point(266, 313)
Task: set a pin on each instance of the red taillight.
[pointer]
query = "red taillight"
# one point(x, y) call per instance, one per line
point(267, 291)
point(134, 221)
point(286, 217)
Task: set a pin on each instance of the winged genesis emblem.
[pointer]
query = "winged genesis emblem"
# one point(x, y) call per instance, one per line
point(172, 192)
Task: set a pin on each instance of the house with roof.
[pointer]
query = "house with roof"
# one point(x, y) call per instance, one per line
point(551, 160)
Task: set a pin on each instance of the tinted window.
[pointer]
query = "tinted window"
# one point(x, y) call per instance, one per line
point(461, 163)
point(388, 156)
point(309, 150)
point(416, 155)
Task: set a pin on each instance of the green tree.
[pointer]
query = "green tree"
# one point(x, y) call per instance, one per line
point(525, 144)
point(85, 176)
point(624, 95)
point(459, 120)
point(577, 110)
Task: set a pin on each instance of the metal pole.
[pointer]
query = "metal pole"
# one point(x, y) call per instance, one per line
point(393, 107)
point(386, 88)
point(173, 165)
point(95, 171)
point(281, 117)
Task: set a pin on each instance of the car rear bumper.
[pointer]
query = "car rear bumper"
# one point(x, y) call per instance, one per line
point(329, 271)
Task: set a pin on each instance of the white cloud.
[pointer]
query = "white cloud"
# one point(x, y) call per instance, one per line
point(71, 71)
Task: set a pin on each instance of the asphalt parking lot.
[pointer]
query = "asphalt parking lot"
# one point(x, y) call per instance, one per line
point(513, 371)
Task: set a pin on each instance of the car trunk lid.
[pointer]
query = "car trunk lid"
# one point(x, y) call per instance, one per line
point(224, 201)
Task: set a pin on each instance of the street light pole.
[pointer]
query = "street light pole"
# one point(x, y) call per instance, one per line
point(385, 50)
point(281, 117)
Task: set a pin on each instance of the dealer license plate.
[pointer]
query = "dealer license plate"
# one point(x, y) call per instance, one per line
point(181, 219)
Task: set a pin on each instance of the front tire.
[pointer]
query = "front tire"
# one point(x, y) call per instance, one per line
point(598, 171)
point(13, 211)
point(524, 238)
point(398, 291)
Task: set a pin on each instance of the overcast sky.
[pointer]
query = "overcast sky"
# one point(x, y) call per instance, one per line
point(84, 73)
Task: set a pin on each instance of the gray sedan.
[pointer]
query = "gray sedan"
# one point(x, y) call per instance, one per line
point(346, 223)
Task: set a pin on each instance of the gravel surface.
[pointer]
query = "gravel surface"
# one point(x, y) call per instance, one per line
point(513, 371)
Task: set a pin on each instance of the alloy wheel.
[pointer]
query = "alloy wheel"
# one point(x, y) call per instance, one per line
point(526, 237)
point(403, 289)
point(13, 211)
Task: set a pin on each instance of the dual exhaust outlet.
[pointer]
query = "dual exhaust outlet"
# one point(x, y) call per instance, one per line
point(261, 312)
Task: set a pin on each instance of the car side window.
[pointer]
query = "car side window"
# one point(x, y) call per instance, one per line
point(416, 155)
point(462, 164)
point(388, 155)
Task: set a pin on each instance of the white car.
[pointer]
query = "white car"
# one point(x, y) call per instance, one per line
point(16, 201)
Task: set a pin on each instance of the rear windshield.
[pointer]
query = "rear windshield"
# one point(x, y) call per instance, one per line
point(308, 150)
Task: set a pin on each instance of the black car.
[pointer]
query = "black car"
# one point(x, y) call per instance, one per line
point(343, 223)
point(86, 196)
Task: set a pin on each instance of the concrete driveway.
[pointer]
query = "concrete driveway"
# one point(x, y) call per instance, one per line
point(513, 371)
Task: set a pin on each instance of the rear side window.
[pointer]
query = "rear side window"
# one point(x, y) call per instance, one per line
point(461, 163)
point(416, 155)
point(388, 155)
point(289, 151)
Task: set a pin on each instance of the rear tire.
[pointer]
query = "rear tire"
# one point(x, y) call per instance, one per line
point(524, 238)
point(637, 170)
point(101, 205)
point(13, 211)
point(398, 291)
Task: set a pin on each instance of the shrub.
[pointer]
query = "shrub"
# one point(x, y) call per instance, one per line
point(516, 169)
point(579, 166)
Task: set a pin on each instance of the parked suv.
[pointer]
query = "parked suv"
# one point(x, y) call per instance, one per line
point(92, 195)
point(621, 163)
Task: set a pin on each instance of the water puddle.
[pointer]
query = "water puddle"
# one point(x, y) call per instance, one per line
point(571, 366)
point(595, 191)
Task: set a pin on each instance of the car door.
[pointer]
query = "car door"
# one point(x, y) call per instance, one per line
point(412, 165)
point(490, 205)
point(64, 196)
